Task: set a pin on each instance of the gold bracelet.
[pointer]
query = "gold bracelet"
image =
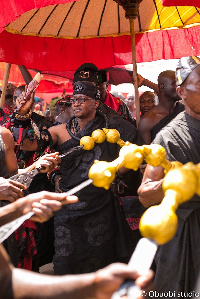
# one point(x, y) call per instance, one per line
point(23, 117)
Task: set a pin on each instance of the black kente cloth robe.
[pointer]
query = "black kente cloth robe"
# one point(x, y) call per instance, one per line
point(167, 119)
point(84, 232)
point(178, 261)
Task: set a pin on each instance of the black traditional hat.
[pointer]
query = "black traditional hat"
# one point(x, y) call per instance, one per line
point(86, 72)
point(184, 68)
point(87, 88)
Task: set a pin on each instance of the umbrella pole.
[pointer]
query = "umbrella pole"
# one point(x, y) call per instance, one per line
point(5, 83)
point(137, 102)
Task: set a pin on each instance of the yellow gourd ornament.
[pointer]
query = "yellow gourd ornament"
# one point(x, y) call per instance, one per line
point(183, 181)
point(160, 222)
point(102, 173)
point(196, 169)
point(112, 135)
point(99, 136)
point(154, 154)
point(87, 142)
point(132, 154)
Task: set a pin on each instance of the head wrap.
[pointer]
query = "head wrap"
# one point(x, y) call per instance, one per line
point(86, 72)
point(184, 68)
point(88, 89)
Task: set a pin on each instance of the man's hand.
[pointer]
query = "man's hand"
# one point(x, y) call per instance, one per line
point(26, 105)
point(109, 279)
point(44, 204)
point(48, 162)
point(140, 80)
point(10, 190)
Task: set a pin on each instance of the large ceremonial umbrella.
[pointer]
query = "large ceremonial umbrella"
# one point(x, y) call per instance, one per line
point(181, 3)
point(61, 37)
point(94, 31)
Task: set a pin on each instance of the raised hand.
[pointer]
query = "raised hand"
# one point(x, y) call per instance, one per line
point(26, 105)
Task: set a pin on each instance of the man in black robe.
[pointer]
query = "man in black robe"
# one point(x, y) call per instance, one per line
point(84, 233)
point(178, 261)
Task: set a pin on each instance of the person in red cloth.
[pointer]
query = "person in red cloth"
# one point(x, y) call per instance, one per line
point(21, 244)
point(113, 102)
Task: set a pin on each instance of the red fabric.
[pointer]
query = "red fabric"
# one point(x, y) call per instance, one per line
point(7, 109)
point(18, 7)
point(20, 136)
point(112, 102)
point(25, 237)
point(109, 51)
point(181, 3)
point(5, 114)
point(46, 86)
point(133, 223)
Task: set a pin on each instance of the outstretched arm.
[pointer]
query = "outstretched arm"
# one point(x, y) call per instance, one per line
point(43, 204)
point(150, 191)
point(21, 284)
point(25, 74)
point(148, 83)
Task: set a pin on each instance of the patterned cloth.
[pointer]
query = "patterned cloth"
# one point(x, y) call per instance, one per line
point(84, 231)
point(5, 116)
point(21, 244)
point(26, 246)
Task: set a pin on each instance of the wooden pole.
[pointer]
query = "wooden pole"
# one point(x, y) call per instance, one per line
point(5, 83)
point(137, 101)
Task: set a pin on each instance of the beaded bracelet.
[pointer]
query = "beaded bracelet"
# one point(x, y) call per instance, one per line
point(23, 117)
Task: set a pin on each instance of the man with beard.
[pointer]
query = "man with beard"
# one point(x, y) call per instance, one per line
point(178, 261)
point(167, 109)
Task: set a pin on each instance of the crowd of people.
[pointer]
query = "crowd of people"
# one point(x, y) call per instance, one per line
point(90, 236)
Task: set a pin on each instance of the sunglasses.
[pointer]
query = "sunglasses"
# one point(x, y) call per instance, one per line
point(79, 100)
point(65, 104)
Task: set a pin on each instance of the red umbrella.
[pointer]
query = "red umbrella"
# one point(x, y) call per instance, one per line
point(62, 37)
point(181, 3)
point(48, 83)
point(33, 44)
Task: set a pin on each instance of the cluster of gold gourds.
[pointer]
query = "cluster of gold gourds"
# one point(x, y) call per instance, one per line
point(159, 222)
point(99, 136)
point(180, 183)
point(131, 156)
